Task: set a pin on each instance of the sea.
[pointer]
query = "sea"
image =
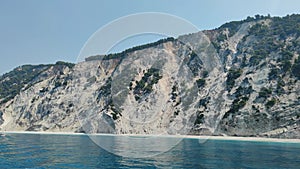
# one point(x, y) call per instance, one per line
point(109, 151)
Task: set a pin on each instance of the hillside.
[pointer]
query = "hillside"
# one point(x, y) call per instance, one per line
point(241, 79)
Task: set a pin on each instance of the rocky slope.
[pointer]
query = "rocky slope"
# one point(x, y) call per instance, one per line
point(240, 79)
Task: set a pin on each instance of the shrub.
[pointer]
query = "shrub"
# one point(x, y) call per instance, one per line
point(258, 30)
point(273, 74)
point(237, 104)
point(199, 119)
point(286, 66)
point(264, 92)
point(70, 65)
point(105, 90)
point(144, 86)
point(270, 103)
point(286, 55)
point(296, 68)
point(22, 78)
point(125, 52)
point(221, 37)
point(205, 74)
point(233, 74)
point(200, 83)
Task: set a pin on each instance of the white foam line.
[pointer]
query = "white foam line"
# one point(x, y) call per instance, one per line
point(257, 139)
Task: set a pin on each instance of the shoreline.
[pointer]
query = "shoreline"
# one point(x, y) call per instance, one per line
point(229, 138)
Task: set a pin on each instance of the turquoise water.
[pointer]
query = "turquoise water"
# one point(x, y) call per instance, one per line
point(78, 151)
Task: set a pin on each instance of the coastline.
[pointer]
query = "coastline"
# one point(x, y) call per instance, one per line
point(229, 138)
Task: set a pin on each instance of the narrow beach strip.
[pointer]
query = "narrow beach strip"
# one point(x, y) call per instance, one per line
point(233, 138)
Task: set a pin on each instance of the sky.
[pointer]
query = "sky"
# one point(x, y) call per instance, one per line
point(42, 32)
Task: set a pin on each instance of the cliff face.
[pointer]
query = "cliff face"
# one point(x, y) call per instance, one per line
point(240, 79)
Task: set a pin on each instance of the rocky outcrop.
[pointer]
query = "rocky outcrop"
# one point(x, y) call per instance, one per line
point(241, 79)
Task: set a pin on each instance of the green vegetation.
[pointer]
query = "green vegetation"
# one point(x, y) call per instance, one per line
point(285, 60)
point(205, 74)
point(286, 54)
point(279, 88)
point(262, 50)
point(281, 27)
point(271, 38)
point(203, 102)
point(194, 63)
point(255, 109)
point(276, 73)
point(254, 60)
point(57, 84)
point(264, 92)
point(115, 112)
point(232, 75)
point(242, 95)
point(243, 91)
point(105, 95)
point(237, 104)
point(234, 26)
point(270, 103)
point(216, 45)
point(222, 37)
point(12, 82)
point(193, 55)
point(286, 26)
point(144, 86)
point(200, 83)
point(96, 57)
point(296, 68)
point(122, 54)
point(105, 90)
point(67, 64)
point(176, 112)
point(174, 93)
point(199, 119)
point(273, 74)
point(286, 66)
point(259, 30)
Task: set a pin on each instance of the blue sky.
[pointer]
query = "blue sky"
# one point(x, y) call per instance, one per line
point(34, 31)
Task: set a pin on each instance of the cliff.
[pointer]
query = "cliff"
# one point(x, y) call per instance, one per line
point(241, 79)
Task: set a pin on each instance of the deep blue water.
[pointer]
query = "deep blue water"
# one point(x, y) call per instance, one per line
point(79, 151)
